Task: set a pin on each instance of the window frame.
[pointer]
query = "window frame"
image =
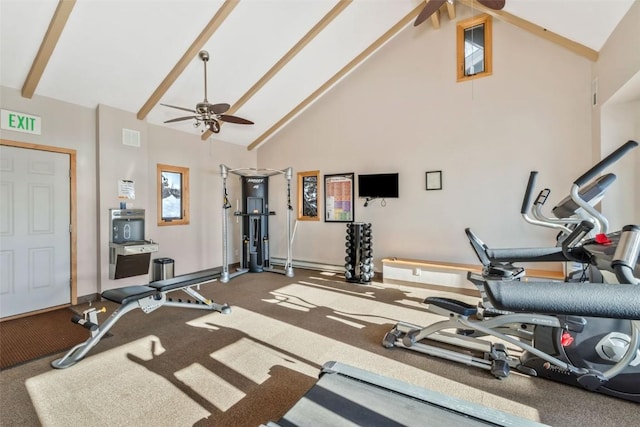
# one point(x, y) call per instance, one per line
point(461, 27)
point(184, 195)
point(302, 195)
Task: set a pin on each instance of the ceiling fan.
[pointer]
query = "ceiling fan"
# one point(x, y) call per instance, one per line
point(208, 114)
point(433, 5)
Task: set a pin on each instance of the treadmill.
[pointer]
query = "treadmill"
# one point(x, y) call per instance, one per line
point(349, 396)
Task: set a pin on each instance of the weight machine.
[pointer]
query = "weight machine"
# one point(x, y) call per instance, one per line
point(255, 221)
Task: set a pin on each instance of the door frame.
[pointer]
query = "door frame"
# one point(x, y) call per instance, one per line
point(73, 215)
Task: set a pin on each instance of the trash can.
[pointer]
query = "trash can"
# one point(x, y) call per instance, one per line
point(162, 269)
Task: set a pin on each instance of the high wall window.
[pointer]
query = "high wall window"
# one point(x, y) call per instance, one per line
point(474, 48)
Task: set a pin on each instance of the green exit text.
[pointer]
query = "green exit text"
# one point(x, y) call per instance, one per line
point(22, 122)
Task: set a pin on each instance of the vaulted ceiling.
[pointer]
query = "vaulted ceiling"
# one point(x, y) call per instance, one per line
point(269, 58)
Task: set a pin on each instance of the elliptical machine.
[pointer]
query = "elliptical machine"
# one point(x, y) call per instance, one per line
point(583, 334)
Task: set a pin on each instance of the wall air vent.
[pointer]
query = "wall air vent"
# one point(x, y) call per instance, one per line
point(130, 137)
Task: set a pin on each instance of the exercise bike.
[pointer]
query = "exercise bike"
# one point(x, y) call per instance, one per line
point(583, 334)
point(572, 210)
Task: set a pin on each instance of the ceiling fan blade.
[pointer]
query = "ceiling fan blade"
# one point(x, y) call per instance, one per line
point(429, 9)
point(218, 108)
point(179, 119)
point(180, 108)
point(492, 4)
point(234, 119)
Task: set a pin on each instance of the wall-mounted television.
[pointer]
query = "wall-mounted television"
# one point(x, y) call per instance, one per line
point(378, 186)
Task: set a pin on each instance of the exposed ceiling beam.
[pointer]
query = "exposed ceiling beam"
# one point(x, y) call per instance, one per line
point(451, 10)
point(350, 66)
point(188, 56)
point(49, 42)
point(297, 48)
point(435, 19)
point(539, 31)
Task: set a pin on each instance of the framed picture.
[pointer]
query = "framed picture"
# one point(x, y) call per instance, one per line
point(308, 196)
point(338, 197)
point(434, 180)
point(173, 195)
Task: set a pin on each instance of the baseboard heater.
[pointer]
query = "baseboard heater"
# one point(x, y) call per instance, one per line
point(309, 265)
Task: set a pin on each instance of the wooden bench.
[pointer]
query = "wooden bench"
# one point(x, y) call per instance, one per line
point(446, 275)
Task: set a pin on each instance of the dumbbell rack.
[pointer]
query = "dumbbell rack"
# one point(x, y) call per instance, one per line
point(359, 260)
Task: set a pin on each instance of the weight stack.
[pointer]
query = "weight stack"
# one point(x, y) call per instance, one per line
point(359, 260)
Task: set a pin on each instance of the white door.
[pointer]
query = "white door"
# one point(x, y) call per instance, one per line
point(35, 239)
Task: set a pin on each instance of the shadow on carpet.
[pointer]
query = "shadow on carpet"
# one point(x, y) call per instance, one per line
point(30, 338)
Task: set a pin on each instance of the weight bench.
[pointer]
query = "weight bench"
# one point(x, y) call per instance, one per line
point(145, 297)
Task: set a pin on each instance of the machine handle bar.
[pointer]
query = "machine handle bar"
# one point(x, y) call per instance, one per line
point(528, 192)
point(542, 197)
point(572, 240)
point(604, 163)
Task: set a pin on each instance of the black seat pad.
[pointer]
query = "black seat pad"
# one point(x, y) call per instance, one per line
point(187, 280)
point(128, 293)
point(613, 301)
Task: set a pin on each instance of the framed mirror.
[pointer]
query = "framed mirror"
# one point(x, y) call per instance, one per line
point(173, 195)
point(308, 196)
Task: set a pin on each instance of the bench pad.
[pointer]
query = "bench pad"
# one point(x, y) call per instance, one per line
point(186, 280)
point(128, 294)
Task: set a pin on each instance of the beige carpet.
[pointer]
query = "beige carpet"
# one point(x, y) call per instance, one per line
point(176, 367)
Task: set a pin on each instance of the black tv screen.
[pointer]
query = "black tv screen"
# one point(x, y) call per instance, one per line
point(381, 185)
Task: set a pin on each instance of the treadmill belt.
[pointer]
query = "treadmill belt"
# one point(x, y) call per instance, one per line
point(347, 396)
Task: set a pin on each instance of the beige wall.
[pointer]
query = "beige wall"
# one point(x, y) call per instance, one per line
point(621, 122)
point(193, 247)
point(102, 160)
point(402, 111)
point(619, 58)
point(203, 238)
point(618, 73)
point(74, 127)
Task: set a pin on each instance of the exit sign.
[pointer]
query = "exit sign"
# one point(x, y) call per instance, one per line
point(21, 122)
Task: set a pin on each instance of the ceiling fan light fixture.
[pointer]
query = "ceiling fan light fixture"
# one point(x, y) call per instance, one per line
point(207, 113)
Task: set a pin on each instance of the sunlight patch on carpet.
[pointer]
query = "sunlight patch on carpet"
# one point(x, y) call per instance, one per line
point(254, 360)
point(217, 391)
point(110, 388)
point(335, 290)
point(354, 306)
point(289, 301)
point(311, 347)
point(346, 322)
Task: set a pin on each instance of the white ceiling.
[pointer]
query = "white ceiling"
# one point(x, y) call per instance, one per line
point(117, 52)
